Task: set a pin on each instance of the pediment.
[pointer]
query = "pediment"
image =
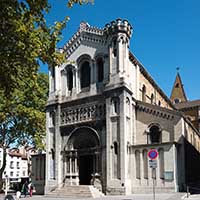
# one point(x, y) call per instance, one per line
point(85, 35)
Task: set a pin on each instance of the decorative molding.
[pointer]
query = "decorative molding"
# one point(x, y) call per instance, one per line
point(80, 35)
point(83, 113)
point(154, 112)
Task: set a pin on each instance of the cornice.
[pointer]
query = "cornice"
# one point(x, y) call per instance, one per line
point(156, 110)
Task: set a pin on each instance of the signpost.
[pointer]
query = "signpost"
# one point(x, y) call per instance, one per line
point(153, 154)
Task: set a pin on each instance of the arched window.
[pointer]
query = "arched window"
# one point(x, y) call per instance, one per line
point(100, 70)
point(52, 81)
point(144, 93)
point(161, 163)
point(152, 98)
point(159, 103)
point(176, 101)
point(145, 163)
point(154, 134)
point(115, 47)
point(177, 85)
point(69, 79)
point(137, 162)
point(115, 105)
point(52, 118)
point(85, 74)
point(128, 107)
point(115, 147)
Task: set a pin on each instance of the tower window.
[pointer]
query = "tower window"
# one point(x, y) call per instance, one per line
point(115, 47)
point(115, 147)
point(85, 74)
point(69, 79)
point(177, 85)
point(176, 101)
point(100, 70)
point(115, 106)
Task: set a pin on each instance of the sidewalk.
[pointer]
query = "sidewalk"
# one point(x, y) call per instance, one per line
point(169, 196)
point(195, 196)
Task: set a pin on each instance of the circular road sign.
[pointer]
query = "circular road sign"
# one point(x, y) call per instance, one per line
point(153, 154)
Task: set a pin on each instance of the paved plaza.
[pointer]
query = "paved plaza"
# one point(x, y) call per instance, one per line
point(169, 196)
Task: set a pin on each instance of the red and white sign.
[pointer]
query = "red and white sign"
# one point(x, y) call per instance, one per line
point(153, 154)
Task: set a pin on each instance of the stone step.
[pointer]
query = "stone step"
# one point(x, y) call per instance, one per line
point(71, 192)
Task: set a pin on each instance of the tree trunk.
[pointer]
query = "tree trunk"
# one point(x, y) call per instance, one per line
point(3, 168)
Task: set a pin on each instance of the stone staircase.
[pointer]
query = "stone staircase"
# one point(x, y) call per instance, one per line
point(80, 191)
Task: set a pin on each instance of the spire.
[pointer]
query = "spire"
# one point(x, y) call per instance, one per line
point(178, 93)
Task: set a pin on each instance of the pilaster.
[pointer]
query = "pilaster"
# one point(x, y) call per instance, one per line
point(58, 169)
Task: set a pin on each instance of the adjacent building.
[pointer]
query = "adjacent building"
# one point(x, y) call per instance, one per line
point(38, 172)
point(105, 112)
point(16, 170)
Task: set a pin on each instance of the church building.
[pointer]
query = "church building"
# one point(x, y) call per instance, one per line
point(105, 113)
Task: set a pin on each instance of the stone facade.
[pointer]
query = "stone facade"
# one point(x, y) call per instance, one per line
point(105, 112)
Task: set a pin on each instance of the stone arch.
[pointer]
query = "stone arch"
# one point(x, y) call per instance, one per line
point(145, 163)
point(154, 133)
point(82, 155)
point(137, 164)
point(84, 63)
point(83, 137)
point(82, 58)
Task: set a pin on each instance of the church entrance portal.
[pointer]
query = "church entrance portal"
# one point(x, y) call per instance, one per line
point(81, 158)
point(85, 164)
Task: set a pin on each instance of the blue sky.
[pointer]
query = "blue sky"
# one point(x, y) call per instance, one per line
point(166, 35)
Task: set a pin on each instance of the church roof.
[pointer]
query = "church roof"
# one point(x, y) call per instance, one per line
point(178, 92)
point(188, 104)
point(148, 76)
point(76, 39)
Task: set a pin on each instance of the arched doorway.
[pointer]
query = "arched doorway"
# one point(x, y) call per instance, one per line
point(82, 153)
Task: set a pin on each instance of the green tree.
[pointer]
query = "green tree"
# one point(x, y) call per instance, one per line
point(25, 40)
point(22, 115)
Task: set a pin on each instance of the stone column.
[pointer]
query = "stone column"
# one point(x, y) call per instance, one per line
point(58, 159)
point(93, 77)
point(70, 168)
point(175, 169)
point(97, 162)
point(74, 88)
point(76, 169)
point(64, 167)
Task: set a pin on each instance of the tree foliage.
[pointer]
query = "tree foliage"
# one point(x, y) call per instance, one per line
point(25, 40)
point(22, 115)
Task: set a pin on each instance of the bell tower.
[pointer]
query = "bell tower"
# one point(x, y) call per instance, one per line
point(118, 34)
point(178, 92)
